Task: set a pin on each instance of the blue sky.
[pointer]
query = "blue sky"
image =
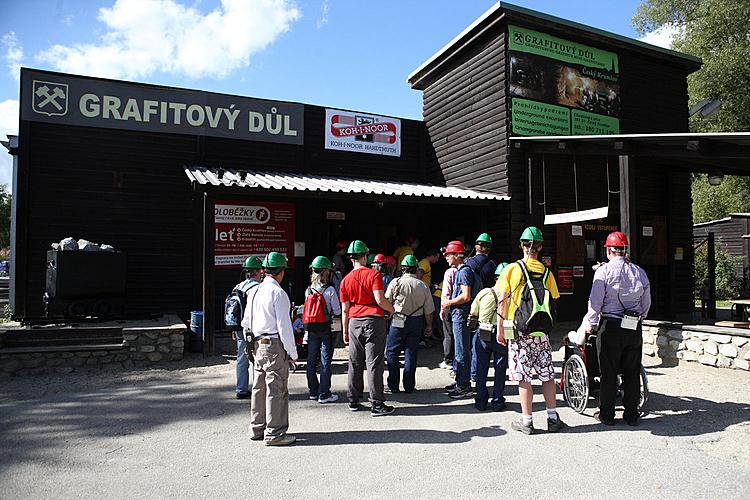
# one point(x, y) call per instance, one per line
point(338, 53)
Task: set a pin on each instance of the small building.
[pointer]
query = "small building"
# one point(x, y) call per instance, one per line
point(732, 235)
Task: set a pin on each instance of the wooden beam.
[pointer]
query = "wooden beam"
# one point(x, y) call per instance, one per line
point(627, 204)
point(209, 295)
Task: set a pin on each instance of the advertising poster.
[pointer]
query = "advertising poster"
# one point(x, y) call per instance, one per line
point(565, 280)
point(559, 87)
point(362, 133)
point(245, 228)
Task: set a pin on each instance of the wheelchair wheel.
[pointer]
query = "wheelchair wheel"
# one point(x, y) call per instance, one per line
point(575, 383)
point(644, 390)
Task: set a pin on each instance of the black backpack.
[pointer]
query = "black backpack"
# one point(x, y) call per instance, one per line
point(535, 314)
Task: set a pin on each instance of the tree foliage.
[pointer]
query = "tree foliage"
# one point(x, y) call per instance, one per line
point(716, 202)
point(718, 31)
point(728, 283)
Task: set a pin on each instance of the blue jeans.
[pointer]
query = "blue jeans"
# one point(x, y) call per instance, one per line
point(404, 339)
point(319, 346)
point(473, 356)
point(462, 358)
point(243, 365)
point(499, 355)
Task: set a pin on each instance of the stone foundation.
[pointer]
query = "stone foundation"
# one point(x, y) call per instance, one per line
point(708, 345)
point(144, 343)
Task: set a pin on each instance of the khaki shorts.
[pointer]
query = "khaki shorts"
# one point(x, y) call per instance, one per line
point(527, 355)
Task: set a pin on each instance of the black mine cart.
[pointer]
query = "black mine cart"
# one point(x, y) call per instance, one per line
point(81, 283)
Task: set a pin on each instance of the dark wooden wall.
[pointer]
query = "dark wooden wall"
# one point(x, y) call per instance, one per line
point(729, 235)
point(128, 189)
point(465, 114)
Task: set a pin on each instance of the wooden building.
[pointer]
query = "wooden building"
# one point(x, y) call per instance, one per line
point(732, 235)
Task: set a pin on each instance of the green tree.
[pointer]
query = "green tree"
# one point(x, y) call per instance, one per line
point(5, 198)
point(728, 283)
point(717, 31)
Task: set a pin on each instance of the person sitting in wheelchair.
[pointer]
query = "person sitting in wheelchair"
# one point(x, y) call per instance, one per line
point(620, 299)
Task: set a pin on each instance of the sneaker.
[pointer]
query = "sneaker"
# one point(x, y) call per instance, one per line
point(284, 440)
point(519, 426)
point(242, 395)
point(256, 437)
point(330, 399)
point(449, 388)
point(555, 425)
point(631, 421)
point(312, 397)
point(445, 365)
point(356, 407)
point(452, 374)
point(381, 409)
point(388, 390)
point(500, 406)
point(460, 393)
point(605, 421)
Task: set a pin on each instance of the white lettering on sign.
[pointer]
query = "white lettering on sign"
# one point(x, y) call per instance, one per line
point(241, 214)
point(272, 122)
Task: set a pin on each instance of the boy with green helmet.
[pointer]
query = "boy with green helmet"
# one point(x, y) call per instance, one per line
point(321, 306)
point(529, 353)
point(252, 274)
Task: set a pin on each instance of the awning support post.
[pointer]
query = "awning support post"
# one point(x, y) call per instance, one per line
point(208, 276)
point(711, 250)
point(627, 207)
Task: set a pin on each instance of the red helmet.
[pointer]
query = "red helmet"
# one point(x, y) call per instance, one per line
point(380, 259)
point(390, 260)
point(454, 246)
point(617, 240)
point(341, 244)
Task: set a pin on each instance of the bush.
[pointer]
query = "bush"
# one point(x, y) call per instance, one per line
point(728, 284)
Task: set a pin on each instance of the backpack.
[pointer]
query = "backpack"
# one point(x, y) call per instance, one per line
point(234, 306)
point(315, 309)
point(535, 314)
point(476, 286)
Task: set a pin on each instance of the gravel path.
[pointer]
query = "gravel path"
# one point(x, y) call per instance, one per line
point(178, 432)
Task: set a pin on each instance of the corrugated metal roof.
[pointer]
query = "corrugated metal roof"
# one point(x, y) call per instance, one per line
point(298, 182)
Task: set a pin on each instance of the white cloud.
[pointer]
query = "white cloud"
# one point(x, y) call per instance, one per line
point(13, 54)
point(323, 19)
point(662, 37)
point(8, 125)
point(145, 36)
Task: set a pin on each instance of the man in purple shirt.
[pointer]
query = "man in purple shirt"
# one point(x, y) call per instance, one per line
point(620, 298)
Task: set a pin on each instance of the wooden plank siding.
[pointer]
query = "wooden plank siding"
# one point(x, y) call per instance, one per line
point(729, 235)
point(465, 115)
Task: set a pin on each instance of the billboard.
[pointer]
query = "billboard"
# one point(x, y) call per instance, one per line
point(559, 87)
point(362, 133)
point(246, 228)
point(75, 100)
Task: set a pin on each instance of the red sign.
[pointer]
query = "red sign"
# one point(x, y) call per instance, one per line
point(245, 228)
point(565, 280)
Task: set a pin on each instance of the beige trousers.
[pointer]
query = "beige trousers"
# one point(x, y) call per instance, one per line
point(269, 402)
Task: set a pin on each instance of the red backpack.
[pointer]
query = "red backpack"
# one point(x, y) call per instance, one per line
point(316, 308)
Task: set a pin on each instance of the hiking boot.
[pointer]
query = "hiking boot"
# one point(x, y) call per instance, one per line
point(605, 421)
point(555, 425)
point(378, 410)
point(519, 426)
point(284, 440)
point(632, 421)
point(330, 399)
point(242, 395)
point(498, 406)
point(461, 392)
point(449, 388)
point(356, 407)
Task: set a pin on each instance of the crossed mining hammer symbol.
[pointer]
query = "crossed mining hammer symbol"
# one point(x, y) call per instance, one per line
point(43, 91)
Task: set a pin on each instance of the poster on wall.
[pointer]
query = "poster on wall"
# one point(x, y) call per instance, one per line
point(559, 87)
point(245, 228)
point(565, 280)
point(362, 133)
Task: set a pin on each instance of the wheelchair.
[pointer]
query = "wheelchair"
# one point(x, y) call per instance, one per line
point(580, 376)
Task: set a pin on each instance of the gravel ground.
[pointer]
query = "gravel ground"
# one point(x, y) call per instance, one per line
point(178, 432)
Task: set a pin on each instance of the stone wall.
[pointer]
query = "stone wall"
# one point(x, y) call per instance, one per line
point(709, 345)
point(144, 343)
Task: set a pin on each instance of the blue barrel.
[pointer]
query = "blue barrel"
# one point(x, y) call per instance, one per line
point(196, 331)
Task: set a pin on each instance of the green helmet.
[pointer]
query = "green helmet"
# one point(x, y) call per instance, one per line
point(409, 261)
point(252, 262)
point(357, 247)
point(274, 260)
point(484, 238)
point(370, 258)
point(321, 262)
point(500, 267)
point(532, 233)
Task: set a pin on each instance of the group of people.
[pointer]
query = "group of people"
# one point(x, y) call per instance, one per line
point(490, 314)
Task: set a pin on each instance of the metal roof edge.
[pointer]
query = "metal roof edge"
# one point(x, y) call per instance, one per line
point(687, 135)
point(414, 77)
point(708, 223)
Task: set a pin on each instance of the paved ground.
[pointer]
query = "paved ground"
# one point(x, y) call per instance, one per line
point(179, 433)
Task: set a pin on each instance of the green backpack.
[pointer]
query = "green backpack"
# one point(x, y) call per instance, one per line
point(535, 314)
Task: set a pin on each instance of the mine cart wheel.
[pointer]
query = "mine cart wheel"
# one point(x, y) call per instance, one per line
point(77, 309)
point(575, 383)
